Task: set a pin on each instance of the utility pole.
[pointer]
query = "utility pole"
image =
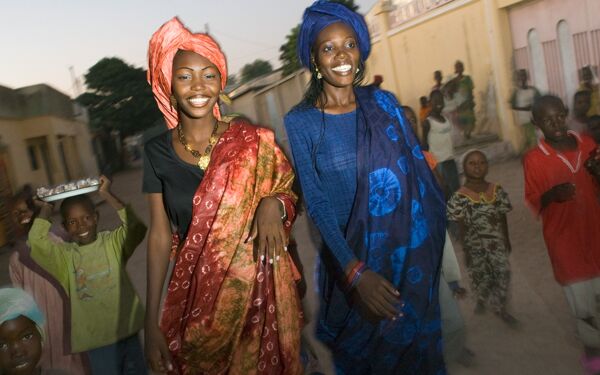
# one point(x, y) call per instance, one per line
point(75, 82)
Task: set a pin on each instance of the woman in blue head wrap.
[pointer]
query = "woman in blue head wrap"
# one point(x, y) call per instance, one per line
point(375, 202)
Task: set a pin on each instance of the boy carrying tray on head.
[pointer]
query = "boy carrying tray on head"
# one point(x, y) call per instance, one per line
point(106, 313)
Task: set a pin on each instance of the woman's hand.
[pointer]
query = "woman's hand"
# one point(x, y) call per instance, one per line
point(157, 351)
point(377, 297)
point(267, 229)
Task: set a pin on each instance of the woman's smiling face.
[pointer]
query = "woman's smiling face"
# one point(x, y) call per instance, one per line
point(196, 84)
point(337, 55)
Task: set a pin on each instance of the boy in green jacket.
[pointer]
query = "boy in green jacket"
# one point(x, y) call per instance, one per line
point(106, 313)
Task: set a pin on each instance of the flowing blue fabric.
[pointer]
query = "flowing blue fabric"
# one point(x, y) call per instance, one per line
point(322, 14)
point(397, 227)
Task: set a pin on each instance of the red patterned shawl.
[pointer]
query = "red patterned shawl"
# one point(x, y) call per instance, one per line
point(223, 313)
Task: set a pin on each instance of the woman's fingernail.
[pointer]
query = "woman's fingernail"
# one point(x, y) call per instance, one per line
point(285, 248)
point(262, 258)
point(271, 261)
point(277, 258)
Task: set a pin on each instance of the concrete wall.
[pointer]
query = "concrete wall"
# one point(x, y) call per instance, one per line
point(268, 105)
point(408, 50)
point(244, 104)
point(42, 124)
point(79, 156)
point(11, 103)
point(435, 45)
point(43, 100)
point(275, 101)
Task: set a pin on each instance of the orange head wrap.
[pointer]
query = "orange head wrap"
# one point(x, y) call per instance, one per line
point(164, 44)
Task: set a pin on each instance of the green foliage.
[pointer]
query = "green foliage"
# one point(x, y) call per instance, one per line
point(255, 69)
point(232, 80)
point(118, 97)
point(288, 55)
point(287, 51)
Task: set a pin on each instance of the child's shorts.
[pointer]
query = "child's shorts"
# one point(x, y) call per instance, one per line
point(584, 300)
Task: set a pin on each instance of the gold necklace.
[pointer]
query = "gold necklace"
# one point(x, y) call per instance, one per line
point(204, 158)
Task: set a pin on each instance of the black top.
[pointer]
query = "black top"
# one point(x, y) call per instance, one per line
point(166, 173)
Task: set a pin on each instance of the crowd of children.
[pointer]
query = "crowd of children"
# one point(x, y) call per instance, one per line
point(562, 186)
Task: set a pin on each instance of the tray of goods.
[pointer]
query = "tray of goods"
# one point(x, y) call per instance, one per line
point(69, 189)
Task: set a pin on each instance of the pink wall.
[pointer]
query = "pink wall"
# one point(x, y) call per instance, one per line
point(555, 69)
point(544, 15)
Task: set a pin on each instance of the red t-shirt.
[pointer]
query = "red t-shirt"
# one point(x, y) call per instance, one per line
point(571, 229)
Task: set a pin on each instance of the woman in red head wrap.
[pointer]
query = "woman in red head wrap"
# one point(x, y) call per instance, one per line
point(231, 305)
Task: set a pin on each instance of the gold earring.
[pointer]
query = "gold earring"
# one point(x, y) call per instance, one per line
point(319, 75)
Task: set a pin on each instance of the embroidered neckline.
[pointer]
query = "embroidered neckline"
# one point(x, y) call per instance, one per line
point(488, 196)
point(573, 169)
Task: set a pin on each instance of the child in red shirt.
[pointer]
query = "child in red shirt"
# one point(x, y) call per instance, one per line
point(560, 189)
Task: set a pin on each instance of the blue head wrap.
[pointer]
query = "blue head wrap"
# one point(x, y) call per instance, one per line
point(15, 302)
point(322, 14)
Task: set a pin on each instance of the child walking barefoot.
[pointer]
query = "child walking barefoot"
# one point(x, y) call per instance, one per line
point(480, 209)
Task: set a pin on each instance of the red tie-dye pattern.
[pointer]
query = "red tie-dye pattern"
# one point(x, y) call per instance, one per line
point(224, 313)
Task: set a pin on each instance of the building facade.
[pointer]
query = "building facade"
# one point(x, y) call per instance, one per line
point(552, 39)
point(413, 38)
point(44, 140)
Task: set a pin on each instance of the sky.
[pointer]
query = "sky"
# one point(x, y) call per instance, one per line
point(42, 39)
